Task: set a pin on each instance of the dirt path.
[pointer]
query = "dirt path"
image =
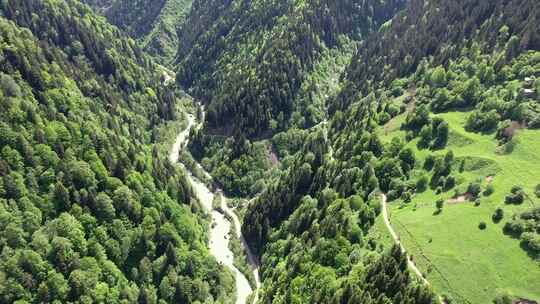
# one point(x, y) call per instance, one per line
point(396, 239)
point(252, 259)
point(220, 228)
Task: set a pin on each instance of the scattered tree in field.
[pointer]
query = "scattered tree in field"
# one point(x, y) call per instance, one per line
point(489, 190)
point(474, 189)
point(439, 204)
point(498, 215)
point(516, 196)
point(422, 183)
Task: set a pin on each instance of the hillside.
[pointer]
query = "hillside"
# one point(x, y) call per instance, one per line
point(301, 151)
point(443, 120)
point(90, 209)
point(247, 60)
point(265, 67)
point(153, 23)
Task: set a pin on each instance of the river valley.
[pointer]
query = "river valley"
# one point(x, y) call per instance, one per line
point(220, 225)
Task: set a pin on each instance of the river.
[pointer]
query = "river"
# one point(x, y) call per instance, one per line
point(219, 233)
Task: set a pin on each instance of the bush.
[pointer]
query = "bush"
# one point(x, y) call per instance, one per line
point(482, 225)
point(514, 227)
point(449, 183)
point(498, 215)
point(532, 241)
point(462, 166)
point(537, 191)
point(422, 183)
point(502, 299)
point(406, 197)
point(489, 190)
point(429, 162)
point(516, 197)
point(474, 189)
point(439, 204)
point(477, 202)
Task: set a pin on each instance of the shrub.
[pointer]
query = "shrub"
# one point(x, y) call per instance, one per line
point(532, 241)
point(422, 183)
point(498, 215)
point(483, 121)
point(482, 225)
point(514, 227)
point(474, 189)
point(439, 204)
point(516, 197)
point(429, 162)
point(406, 196)
point(441, 137)
point(537, 191)
point(477, 202)
point(462, 166)
point(450, 182)
point(502, 299)
point(489, 190)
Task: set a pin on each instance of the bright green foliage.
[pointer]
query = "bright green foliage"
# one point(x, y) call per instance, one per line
point(526, 228)
point(444, 78)
point(85, 215)
point(249, 59)
point(153, 23)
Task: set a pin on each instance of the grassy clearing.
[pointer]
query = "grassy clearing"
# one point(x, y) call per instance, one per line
point(473, 265)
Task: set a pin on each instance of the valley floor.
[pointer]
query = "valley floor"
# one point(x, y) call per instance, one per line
point(221, 223)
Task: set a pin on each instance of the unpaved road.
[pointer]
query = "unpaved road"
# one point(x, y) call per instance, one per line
point(252, 259)
point(396, 239)
point(220, 228)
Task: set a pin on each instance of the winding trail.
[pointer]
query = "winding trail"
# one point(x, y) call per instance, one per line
point(412, 265)
point(221, 226)
point(410, 262)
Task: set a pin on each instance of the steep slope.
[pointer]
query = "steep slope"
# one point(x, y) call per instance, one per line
point(90, 208)
point(439, 107)
point(439, 29)
point(459, 90)
point(248, 59)
point(153, 23)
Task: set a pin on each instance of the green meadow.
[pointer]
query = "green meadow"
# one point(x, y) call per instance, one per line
point(459, 259)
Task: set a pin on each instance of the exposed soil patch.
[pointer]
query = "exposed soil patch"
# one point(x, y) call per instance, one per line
point(489, 179)
point(460, 199)
point(272, 156)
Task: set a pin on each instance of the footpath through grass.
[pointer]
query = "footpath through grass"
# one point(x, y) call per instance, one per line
point(470, 264)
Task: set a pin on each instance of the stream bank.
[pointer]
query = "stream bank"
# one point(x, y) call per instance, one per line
point(221, 222)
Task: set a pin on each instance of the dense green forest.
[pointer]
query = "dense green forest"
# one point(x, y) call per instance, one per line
point(91, 211)
point(332, 126)
point(264, 68)
point(248, 59)
point(388, 132)
point(153, 23)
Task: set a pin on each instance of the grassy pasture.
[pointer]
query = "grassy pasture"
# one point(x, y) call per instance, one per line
point(470, 264)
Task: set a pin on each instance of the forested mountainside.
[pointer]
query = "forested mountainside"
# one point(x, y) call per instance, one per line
point(438, 110)
point(376, 151)
point(91, 210)
point(153, 22)
point(441, 29)
point(247, 60)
